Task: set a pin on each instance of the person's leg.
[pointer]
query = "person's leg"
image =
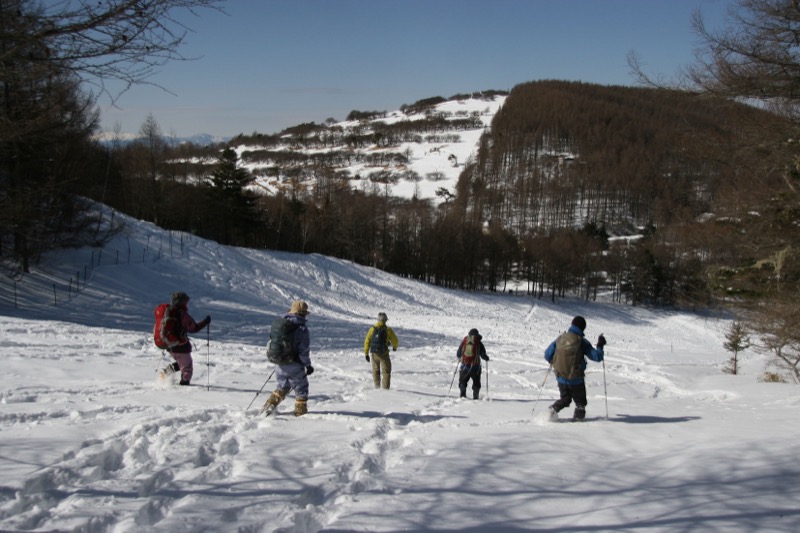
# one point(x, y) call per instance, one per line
point(579, 395)
point(476, 382)
point(386, 370)
point(376, 371)
point(463, 380)
point(184, 361)
point(564, 400)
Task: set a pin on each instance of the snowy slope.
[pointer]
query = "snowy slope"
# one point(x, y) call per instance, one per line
point(442, 157)
point(91, 441)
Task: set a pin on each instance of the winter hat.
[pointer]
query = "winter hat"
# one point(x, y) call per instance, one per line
point(299, 307)
point(179, 298)
point(473, 332)
point(382, 317)
point(579, 322)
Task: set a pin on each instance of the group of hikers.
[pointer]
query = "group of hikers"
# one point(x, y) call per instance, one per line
point(567, 356)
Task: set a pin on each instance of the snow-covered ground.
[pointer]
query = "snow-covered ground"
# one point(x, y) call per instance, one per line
point(90, 441)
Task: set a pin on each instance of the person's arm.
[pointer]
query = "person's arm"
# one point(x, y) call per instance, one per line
point(550, 352)
point(304, 346)
point(366, 340)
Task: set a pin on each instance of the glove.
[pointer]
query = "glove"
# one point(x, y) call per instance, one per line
point(367, 356)
point(208, 319)
point(309, 370)
point(394, 349)
point(487, 358)
point(601, 341)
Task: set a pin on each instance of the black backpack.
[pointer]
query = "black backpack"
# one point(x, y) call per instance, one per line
point(279, 348)
point(377, 343)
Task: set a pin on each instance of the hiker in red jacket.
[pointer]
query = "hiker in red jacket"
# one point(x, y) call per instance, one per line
point(470, 352)
point(182, 353)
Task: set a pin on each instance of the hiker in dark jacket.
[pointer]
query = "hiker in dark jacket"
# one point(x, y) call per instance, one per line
point(379, 350)
point(470, 353)
point(567, 356)
point(294, 375)
point(182, 353)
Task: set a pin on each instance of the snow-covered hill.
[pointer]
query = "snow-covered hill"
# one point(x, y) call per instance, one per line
point(417, 163)
point(91, 441)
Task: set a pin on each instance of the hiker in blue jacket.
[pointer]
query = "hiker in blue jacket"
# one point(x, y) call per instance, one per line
point(470, 353)
point(294, 375)
point(567, 357)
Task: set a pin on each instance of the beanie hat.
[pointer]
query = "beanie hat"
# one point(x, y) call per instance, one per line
point(579, 322)
point(179, 298)
point(299, 307)
point(382, 317)
point(474, 332)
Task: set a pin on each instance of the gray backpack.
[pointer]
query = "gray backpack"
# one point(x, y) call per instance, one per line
point(568, 357)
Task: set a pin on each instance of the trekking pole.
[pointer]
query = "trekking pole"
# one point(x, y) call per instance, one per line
point(259, 391)
point(605, 389)
point(541, 388)
point(208, 356)
point(454, 377)
point(487, 379)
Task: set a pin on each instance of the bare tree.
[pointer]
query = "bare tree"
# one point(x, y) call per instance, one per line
point(778, 335)
point(49, 51)
point(124, 40)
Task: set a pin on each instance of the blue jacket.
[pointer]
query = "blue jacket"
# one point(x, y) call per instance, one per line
point(587, 350)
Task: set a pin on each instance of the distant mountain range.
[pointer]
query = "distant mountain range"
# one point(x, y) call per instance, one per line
point(200, 139)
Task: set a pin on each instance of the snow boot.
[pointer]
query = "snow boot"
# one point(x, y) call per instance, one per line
point(553, 413)
point(272, 402)
point(300, 406)
point(183, 382)
point(579, 414)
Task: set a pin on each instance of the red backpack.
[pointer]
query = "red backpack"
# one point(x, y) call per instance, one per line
point(470, 347)
point(166, 331)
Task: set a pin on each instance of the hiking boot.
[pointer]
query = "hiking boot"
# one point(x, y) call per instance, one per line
point(272, 402)
point(275, 398)
point(579, 414)
point(300, 406)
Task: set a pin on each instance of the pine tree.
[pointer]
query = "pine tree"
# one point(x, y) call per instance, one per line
point(736, 340)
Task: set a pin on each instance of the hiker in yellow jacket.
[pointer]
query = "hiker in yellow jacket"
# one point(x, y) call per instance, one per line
point(376, 344)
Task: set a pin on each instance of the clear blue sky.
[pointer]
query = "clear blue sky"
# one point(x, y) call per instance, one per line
point(270, 64)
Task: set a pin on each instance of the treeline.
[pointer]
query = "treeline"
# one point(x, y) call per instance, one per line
point(577, 188)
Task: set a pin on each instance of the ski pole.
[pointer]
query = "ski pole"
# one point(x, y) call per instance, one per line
point(487, 379)
point(208, 361)
point(454, 377)
point(605, 389)
point(259, 391)
point(541, 388)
